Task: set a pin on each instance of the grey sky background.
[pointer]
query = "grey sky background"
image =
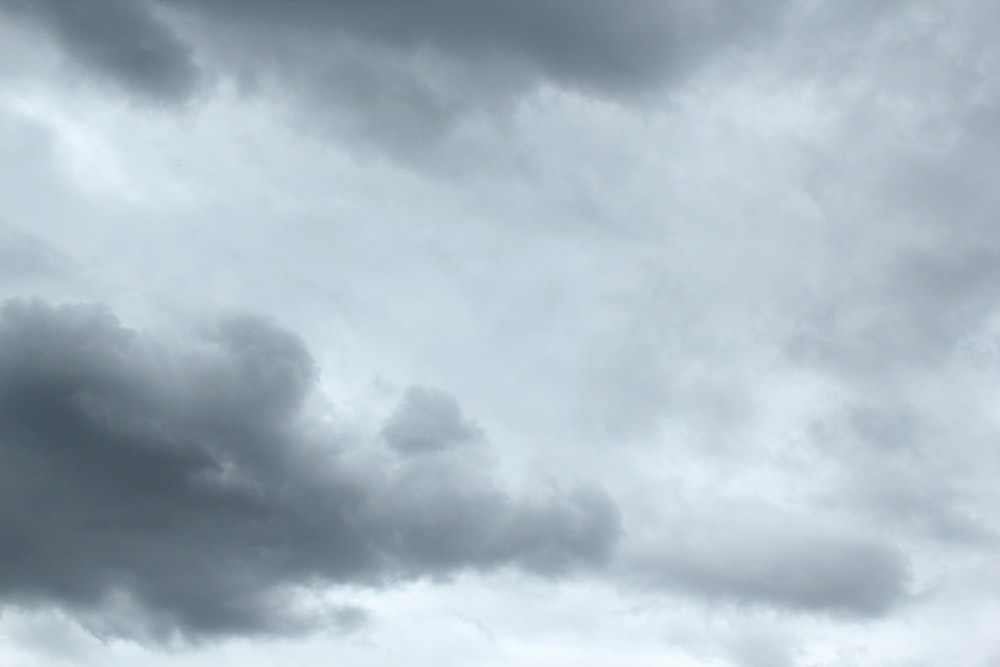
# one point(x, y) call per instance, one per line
point(499, 333)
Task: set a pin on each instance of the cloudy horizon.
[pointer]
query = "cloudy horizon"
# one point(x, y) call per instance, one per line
point(509, 332)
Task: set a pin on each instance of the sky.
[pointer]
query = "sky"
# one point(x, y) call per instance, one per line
point(499, 332)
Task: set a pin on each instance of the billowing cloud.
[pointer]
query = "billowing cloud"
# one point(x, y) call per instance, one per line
point(160, 491)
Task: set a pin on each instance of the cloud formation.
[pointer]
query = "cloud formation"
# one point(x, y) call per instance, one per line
point(761, 556)
point(428, 420)
point(405, 74)
point(122, 41)
point(734, 261)
point(163, 492)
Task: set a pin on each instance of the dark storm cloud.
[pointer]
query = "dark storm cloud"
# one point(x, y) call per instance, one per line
point(156, 491)
point(119, 39)
point(593, 45)
point(399, 73)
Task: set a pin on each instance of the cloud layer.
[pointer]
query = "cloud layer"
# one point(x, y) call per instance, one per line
point(711, 287)
point(162, 491)
point(405, 74)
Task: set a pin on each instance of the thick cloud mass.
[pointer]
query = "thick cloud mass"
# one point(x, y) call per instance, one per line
point(403, 73)
point(179, 485)
point(595, 45)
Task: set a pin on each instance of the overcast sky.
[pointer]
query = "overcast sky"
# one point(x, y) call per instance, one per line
point(499, 332)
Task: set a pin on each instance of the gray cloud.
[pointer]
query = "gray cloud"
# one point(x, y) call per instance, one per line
point(906, 444)
point(156, 491)
point(427, 420)
point(726, 257)
point(883, 463)
point(121, 40)
point(760, 556)
point(910, 319)
point(590, 45)
point(401, 74)
point(408, 76)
